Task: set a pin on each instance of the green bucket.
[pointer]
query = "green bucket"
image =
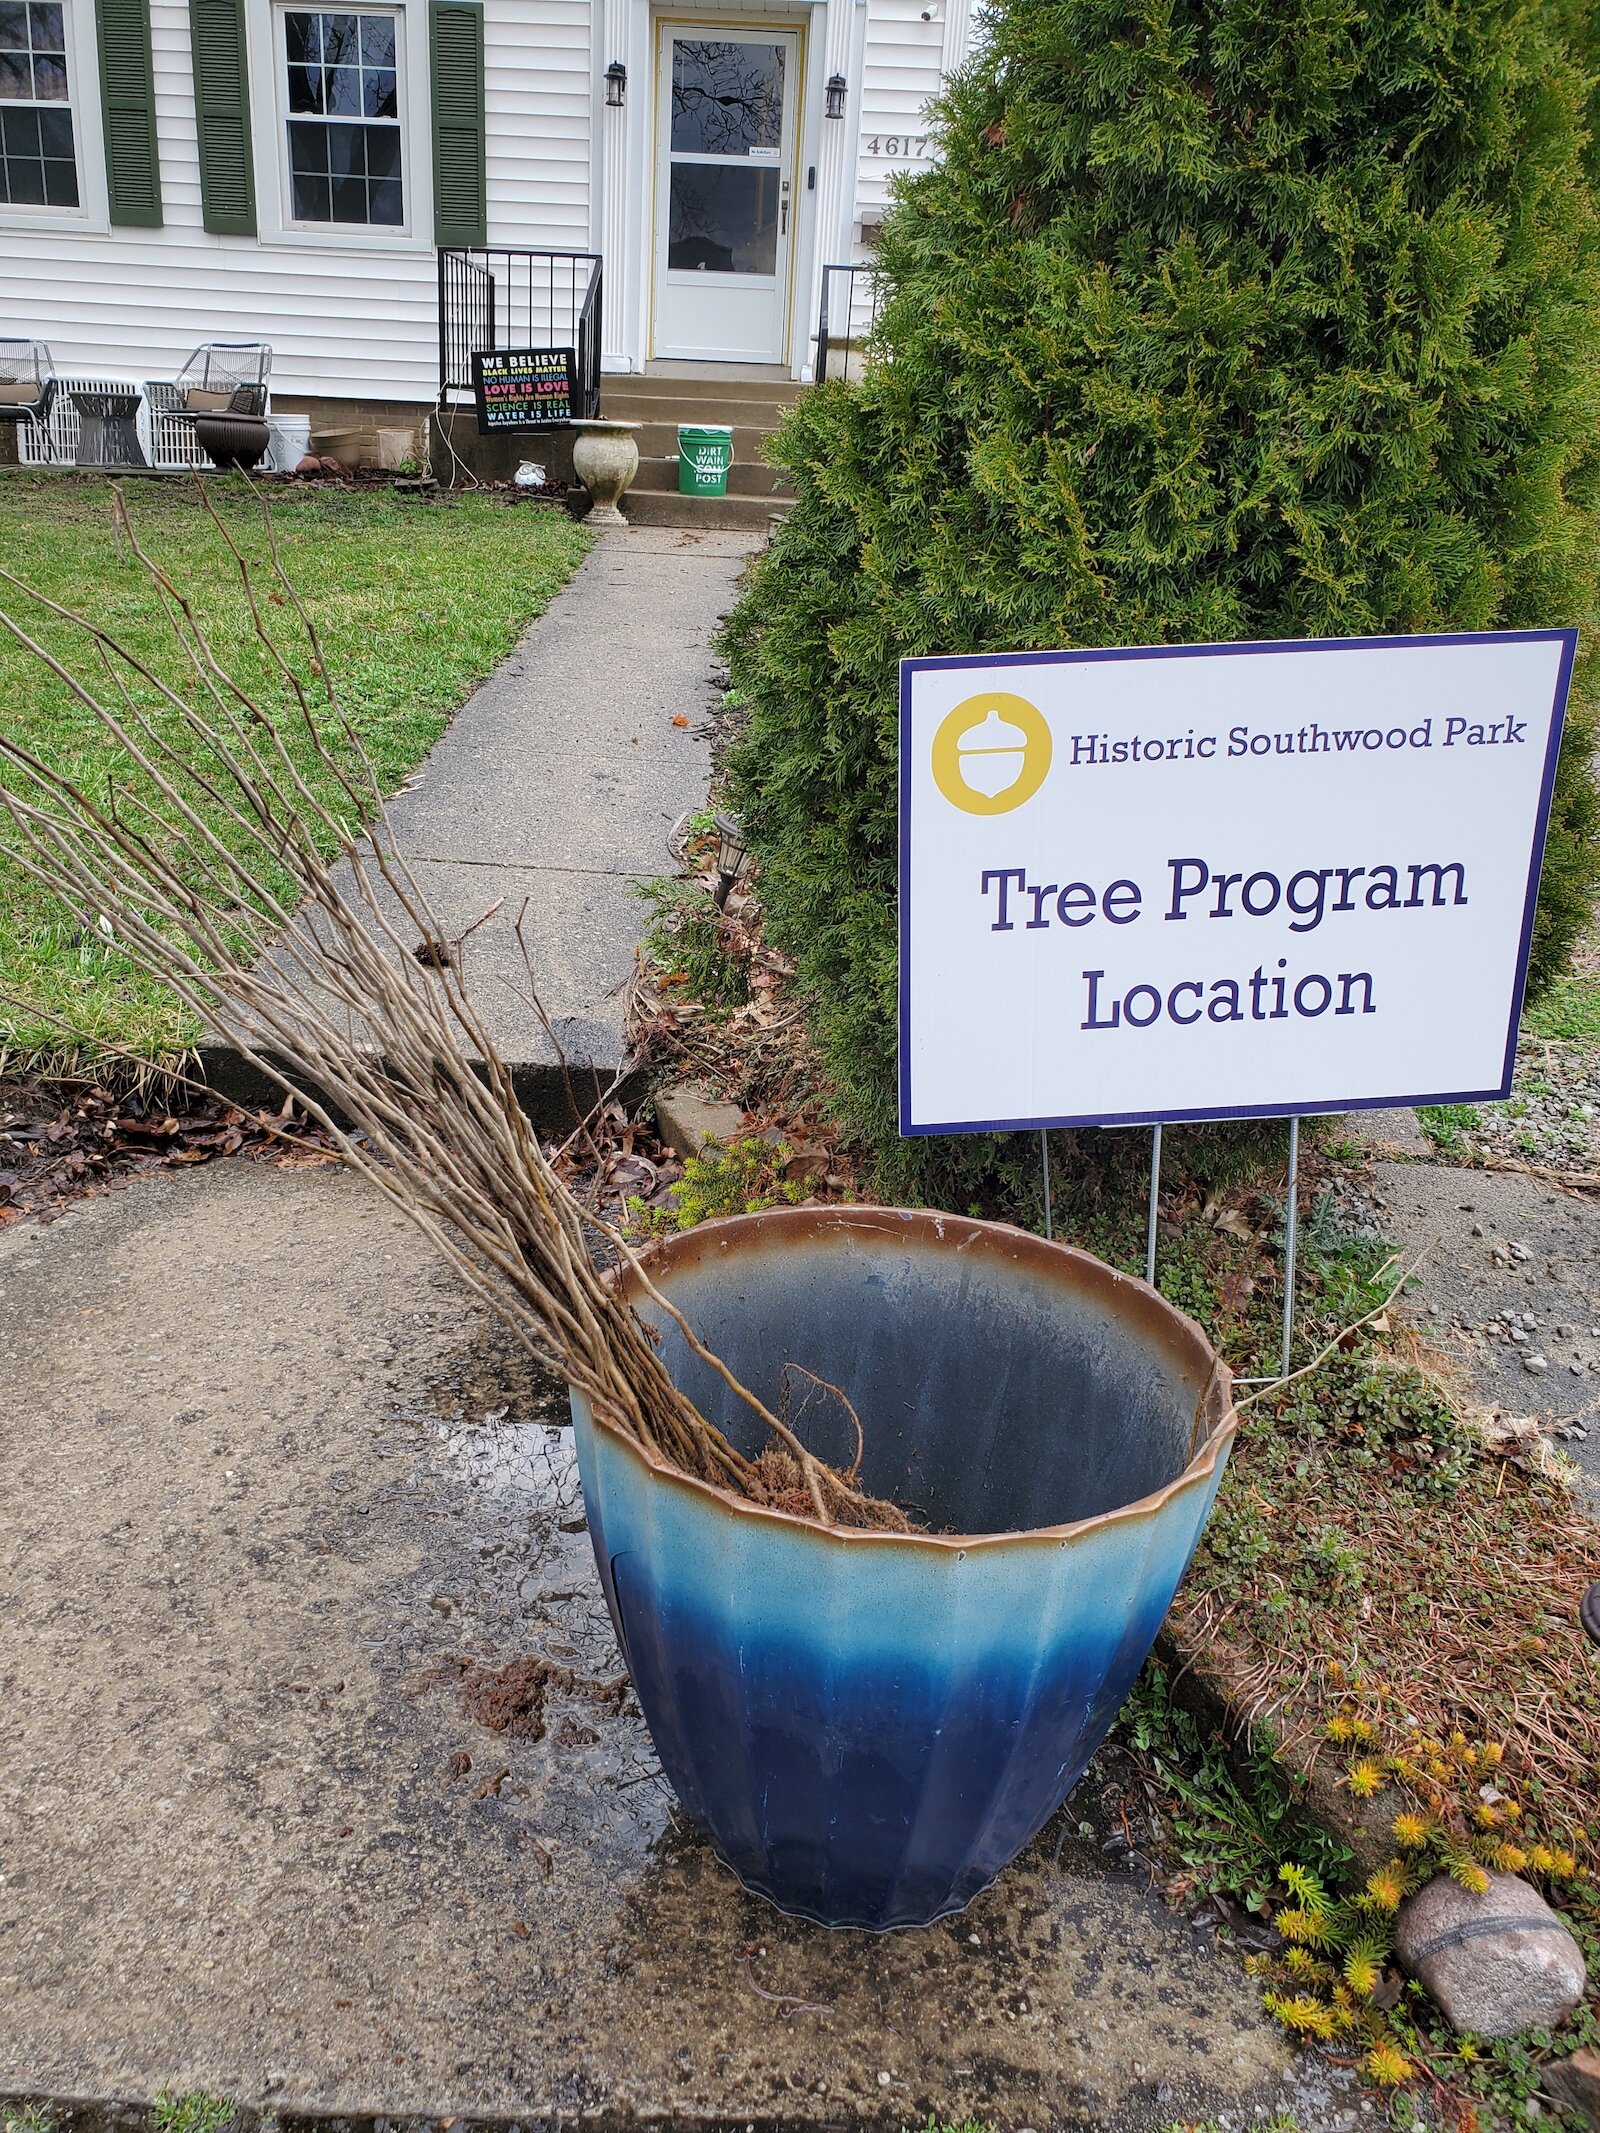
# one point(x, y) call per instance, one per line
point(705, 453)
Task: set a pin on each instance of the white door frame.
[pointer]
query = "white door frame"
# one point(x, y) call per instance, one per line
point(710, 316)
point(623, 158)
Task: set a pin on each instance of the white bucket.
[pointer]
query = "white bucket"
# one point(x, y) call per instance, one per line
point(291, 441)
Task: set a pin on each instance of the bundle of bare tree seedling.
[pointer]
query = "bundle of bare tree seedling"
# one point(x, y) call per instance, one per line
point(294, 929)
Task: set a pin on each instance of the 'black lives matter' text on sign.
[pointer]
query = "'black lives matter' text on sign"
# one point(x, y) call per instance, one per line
point(524, 388)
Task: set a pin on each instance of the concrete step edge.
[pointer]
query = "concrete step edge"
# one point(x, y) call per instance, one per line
point(660, 478)
point(712, 514)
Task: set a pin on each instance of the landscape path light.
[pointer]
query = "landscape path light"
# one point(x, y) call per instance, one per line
point(733, 855)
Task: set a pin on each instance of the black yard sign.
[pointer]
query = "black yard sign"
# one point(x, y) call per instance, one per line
point(524, 388)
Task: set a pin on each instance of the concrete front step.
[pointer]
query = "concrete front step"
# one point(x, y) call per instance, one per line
point(706, 514)
point(643, 400)
point(754, 418)
point(686, 392)
point(751, 403)
point(692, 384)
point(745, 478)
point(659, 440)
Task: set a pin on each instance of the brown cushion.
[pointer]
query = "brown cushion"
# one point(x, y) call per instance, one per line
point(15, 390)
point(201, 402)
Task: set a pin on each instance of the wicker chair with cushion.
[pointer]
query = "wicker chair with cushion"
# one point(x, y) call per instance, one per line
point(220, 378)
point(27, 387)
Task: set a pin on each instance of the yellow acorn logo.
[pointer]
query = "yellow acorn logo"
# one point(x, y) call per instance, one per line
point(991, 753)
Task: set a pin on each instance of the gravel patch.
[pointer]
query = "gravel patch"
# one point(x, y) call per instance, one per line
point(1552, 1117)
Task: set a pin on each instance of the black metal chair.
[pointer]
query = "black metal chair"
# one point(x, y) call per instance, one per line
point(27, 388)
point(220, 378)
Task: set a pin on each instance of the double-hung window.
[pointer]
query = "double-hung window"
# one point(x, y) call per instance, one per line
point(343, 98)
point(38, 167)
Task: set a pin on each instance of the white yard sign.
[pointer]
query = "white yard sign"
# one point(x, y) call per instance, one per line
point(1213, 881)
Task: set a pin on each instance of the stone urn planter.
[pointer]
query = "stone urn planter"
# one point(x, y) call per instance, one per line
point(870, 1726)
point(605, 458)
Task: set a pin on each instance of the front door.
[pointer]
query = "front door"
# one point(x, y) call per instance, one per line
point(725, 194)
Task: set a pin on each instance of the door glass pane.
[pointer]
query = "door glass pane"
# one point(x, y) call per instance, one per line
point(724, 218)
point(727, 96)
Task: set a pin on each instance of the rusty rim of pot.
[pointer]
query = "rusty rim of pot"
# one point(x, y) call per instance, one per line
point(1178, 1334)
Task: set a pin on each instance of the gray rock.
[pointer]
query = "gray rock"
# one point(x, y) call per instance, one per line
point(687, 1119)
point(1496, 1964)
point(1574, 2085)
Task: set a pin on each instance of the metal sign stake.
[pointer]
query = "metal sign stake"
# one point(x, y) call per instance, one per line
point(1291, 1238)
point(1291, 1234)
point(1155, 1197)
point(1044, 1158)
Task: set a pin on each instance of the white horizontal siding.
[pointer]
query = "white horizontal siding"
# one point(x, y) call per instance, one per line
point(344, 320)
point(901, 74)
point(539, 88)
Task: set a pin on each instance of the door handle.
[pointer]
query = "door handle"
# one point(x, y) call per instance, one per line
point(783, 209)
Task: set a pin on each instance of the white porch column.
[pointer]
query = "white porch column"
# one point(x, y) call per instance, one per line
point(838, 157)
point(611, 23)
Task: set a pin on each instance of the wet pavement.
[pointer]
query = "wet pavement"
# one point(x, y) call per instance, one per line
point(1508, 1292)
point(267, 1479)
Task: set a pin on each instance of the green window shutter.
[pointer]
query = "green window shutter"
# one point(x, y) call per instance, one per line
point(460, 184)
point(128, 107)
point(222, 116)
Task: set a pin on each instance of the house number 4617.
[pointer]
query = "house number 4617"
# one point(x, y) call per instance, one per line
point(898, 144)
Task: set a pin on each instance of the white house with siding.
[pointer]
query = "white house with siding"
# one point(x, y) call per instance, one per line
point(296, 171)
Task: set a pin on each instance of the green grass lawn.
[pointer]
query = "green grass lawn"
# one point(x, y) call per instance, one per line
point(414, 604)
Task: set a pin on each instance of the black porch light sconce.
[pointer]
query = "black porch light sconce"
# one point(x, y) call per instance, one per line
point(616, 85)
point(837, 90)
point(733, 855)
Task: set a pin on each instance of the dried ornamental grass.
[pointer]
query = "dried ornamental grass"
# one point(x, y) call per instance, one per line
point(294, 929)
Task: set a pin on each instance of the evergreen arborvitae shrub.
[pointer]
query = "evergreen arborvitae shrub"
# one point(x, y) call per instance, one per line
point(1219, 319)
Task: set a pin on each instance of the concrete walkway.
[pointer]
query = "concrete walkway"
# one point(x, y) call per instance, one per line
point(555, 787)
point(558, 782)
point(251, 1841)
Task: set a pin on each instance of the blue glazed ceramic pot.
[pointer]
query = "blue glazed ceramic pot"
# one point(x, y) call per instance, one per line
point(870, 1726)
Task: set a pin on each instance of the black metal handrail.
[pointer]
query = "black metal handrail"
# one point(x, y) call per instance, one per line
point(852, 297)
point(516, 296)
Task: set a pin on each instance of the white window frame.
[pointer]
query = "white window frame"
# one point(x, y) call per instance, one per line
point(88, 138)
point(270, 114)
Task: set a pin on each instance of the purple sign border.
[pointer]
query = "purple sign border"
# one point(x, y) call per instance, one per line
point(977, 662)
